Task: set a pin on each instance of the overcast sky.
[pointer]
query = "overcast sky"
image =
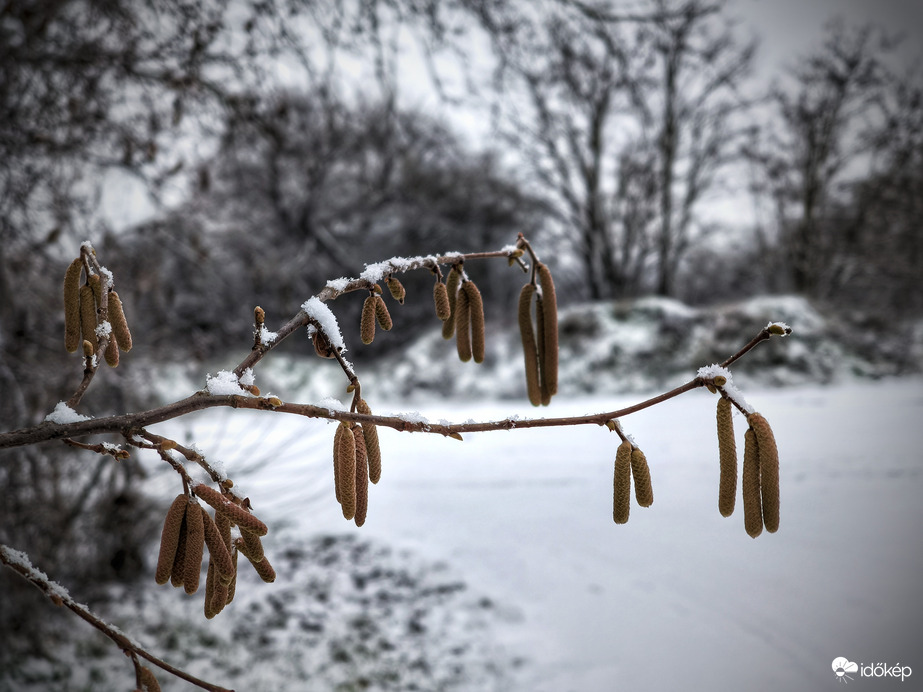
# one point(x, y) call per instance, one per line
point(791, 27)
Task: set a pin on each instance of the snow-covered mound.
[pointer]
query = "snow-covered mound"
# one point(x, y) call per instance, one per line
point(652, 343)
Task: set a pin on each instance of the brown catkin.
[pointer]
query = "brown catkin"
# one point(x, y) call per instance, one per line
point(381, 314)
point(169, 539)
point(621, 498)
point(346, 461)
point(549, 332)
point(112, 351)
point(265, 570)
point(396, 289)
point(179, 561)
point(539, 331)
point(441, 301)
point(750, 486)
point(251, 546)
point(372, 448)
point(232, 586)
point(237, 514)
point(223, 524)
point(463, 326)
point(727, 458)
point(362, 476)
point(337, 483)
point(641, 473)
point(451, 287)
point(367, 322)
point(72, 306)
point(220, 597)
point(210, 612)
point(117, 320)
point(529, 351)
point(148, 681)
point(476, 315)
point(217, 549)
point(88, 314)
point(195, 545)
point(769, 470)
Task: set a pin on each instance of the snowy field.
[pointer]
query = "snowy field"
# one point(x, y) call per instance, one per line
point(520, 523)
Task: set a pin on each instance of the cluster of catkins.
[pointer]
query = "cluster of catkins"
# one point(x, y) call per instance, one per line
point(374, 310)
point(630, 462)
point(356, 461)
point(188, 528)
point(82, 314)
point(760, 477)
point(460, 307)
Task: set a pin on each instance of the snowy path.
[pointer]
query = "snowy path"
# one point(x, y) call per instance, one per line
point(679, 598)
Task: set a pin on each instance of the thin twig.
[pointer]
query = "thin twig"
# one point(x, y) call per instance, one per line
point(20, 564)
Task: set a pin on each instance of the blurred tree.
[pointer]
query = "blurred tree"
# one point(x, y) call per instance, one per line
point(818, 140)
point(631, 121)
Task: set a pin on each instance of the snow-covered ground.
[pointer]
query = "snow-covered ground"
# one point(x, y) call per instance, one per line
point(520, 523)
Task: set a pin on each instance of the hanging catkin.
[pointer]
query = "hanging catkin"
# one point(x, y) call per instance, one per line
point(148, 681)
point(210, 610)
point(381, 313)
point(337, 483)
point(195, 545)
point(727, 456)
point(641, 473)
point(235, 512)
point(463, 326)
point(396, 288)
point(367, 322)
point(529, 350)
point(750, 486)
point(621, 482)
point(540, 341)
point(476, 317)
point(88, 315)
point(372, 449)
point(178, 572)
point(441, 301)
point(169, 539)
point(112, 351)
point(72, 306)
point(117, 320)
point(346, 462)
point(362, 476)
point(217, 550)
point(451, 287)
point(769, 470)
point(549, 330)
point(251, 546)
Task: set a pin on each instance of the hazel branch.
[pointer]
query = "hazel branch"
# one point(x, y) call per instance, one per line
point(134, 421)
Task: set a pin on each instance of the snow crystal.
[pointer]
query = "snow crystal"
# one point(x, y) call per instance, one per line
point(338, 285)
point(412, 417)
point(103, 329)
point(266, 336)
point(319, 312)
point(226, 382)
point(332, 404)
point(247, 377)
point(107, 275)
point(64, 414)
